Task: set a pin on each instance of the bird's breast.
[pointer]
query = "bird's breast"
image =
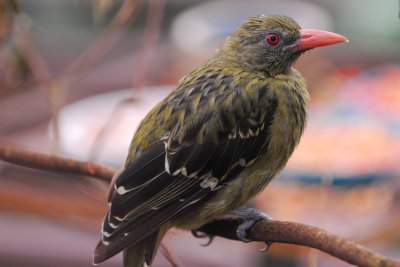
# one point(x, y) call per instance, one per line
point(285, 132)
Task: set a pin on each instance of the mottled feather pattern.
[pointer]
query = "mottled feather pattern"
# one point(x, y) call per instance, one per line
point(191, 141)
point(226, 130)
point(230, 139)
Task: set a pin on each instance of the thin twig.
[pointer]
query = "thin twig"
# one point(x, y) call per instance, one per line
point(53, 89)
point(52, 163)
point(151, 35)
point(34, 58)
point(90, 57)
point(106, 129)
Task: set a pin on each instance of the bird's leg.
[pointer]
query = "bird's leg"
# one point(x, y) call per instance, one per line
point(233, 225)
point(198, 234)
point(249, 216)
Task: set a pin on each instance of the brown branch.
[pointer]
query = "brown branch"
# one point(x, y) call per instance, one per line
point(303, 235)
point(45, 162)
point(271, 231)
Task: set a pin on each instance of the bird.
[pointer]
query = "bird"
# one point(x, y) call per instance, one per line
point(214, 142)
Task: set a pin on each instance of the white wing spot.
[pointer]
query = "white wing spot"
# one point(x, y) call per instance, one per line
point(192, 202)
point(193, 174)
point(210, 182)
point(121, 190)
point(252, 122)
point(177, 172)
point(184, 171)
point(105, 243)
point(118, 218)
point(242, 162)
point(113, 226)
point(251, 133)
point(106, 234)
point(167, 164)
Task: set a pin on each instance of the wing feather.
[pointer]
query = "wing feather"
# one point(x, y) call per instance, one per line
point(177, 175)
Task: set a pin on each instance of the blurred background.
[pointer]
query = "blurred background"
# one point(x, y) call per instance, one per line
point(77, 76)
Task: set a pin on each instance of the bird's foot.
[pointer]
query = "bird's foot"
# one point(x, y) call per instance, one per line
point(198, 234)
point(245, 217)
point(249, 217)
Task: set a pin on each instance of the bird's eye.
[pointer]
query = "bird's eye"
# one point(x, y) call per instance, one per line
point(272, 38)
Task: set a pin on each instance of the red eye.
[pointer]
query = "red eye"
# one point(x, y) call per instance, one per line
point(272, 38)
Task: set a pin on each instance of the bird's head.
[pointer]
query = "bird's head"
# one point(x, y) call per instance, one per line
point(271, 44)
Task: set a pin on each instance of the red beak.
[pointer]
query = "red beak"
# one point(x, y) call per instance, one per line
point(315, 38)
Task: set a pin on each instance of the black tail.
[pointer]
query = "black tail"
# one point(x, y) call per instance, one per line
point(143, 253)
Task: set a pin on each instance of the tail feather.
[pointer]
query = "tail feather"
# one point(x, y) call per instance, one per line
point(143, 253)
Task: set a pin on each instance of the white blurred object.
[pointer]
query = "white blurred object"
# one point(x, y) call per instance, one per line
point(203, 27)
point(81, 121)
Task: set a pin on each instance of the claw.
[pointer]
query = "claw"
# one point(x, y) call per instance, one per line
point(210, 240)
point(199, 234)
point(196, 233)
point(266, 247)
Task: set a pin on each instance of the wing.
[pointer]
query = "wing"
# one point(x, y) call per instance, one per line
point(178, 174)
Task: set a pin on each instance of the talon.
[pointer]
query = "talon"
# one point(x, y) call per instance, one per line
point(210, 240)
point(266, 247)
point(199, 234)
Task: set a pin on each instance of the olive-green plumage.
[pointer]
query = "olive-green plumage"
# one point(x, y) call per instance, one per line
point(215, 142)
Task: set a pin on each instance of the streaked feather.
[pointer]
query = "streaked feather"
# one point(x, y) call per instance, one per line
point(146, 195)
point(208, 132)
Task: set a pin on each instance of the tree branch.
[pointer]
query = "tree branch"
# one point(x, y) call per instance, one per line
point(304, 235)
point(52, 163)
point(265, 231)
